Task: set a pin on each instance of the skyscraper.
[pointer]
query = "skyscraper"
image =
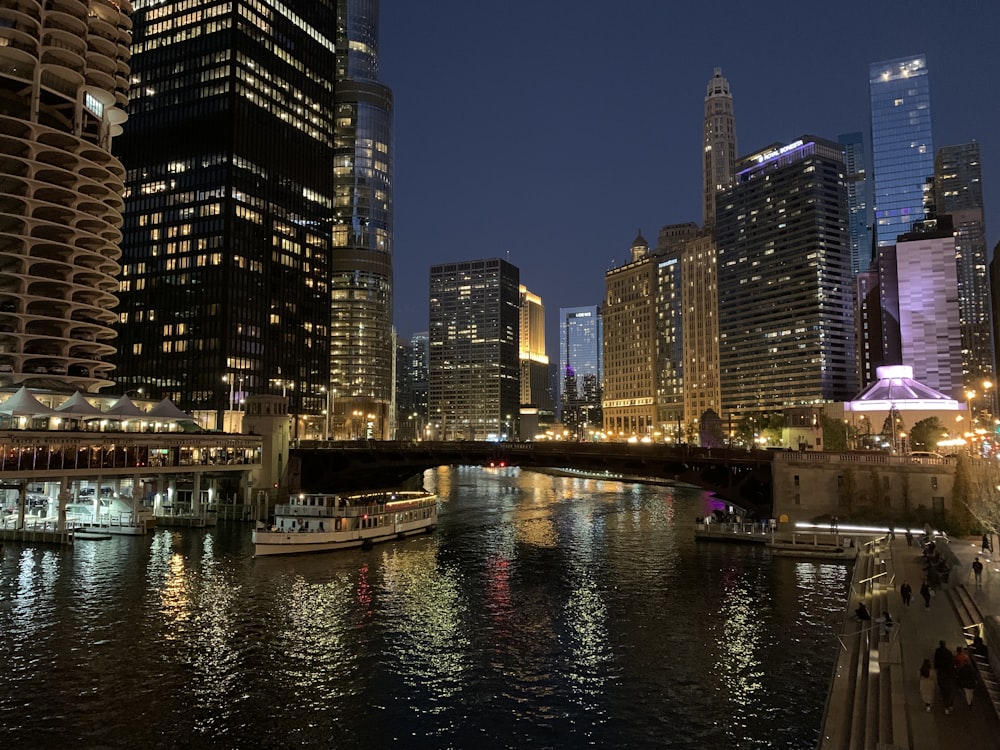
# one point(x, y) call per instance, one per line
point(64, 77)
point(631, 372)
point(473, 375)
point(902, 145)
point(786, 330)
point(361, 262)
point(958, 193)
point(920, 308)
point(858, 177)
point(229, 152)
point(533, 357)
point(581, 368)
point(718, 143)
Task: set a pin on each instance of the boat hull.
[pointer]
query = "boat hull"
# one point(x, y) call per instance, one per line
point(293, 543)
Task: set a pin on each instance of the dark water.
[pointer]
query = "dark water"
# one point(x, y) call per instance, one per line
point(544, 612)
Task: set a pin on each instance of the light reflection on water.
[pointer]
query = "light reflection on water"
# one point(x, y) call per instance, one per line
point(544, 611)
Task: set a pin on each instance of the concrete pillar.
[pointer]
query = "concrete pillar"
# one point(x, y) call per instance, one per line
point(196, 494)
point(22, 502)
point(158, 497)
point(62, 498)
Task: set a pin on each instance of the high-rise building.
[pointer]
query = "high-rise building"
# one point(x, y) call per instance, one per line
point(958, 193)
point(229, 157)
point(699, 297)
point(786, 325)
point(533, 358)
point(581, 368)
point(920, 308)
point(718, 143)
point(64, 76)
point(629, 318)
point(411, 386)
point(902, 146)
point(858, 177)
point(473, 389)
point(361, 262)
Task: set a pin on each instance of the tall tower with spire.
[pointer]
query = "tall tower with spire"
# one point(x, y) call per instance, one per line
point(719, 143)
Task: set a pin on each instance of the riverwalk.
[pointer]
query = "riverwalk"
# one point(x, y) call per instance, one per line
point(874, 701)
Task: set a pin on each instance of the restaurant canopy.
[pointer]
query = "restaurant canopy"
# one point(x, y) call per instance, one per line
point(77, 406)
point(168, 411)
point(24, 404)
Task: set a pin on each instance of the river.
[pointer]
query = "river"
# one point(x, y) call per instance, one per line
point(544, 612)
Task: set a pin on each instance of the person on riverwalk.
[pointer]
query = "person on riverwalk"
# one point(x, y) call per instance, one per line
point(977, 568)
point(906, 592)
point(927, 684)
point(966, 678)
point(944, 666)
point(862, 612)
point(925, 592)
point(987, 545)
point(979, 647)
point(909, 538)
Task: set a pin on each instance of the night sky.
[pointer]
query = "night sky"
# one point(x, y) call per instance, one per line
point(548, 132)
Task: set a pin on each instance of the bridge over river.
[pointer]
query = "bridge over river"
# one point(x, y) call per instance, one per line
point(739, 476)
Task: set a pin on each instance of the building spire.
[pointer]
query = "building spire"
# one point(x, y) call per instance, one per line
point(718, 143)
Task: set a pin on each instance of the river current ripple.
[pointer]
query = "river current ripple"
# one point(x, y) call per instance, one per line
point(544, 612)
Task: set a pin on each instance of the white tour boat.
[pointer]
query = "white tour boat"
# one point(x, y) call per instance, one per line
point(318, 523)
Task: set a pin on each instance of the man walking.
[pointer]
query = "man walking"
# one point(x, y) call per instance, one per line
point(925, 592)
point(944, 665)
point(906, 592)
point(977, 568)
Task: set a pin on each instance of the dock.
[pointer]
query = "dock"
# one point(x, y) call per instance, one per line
point(812, 543)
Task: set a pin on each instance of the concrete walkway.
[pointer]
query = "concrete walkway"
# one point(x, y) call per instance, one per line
point(919, 631)
point(875, 701)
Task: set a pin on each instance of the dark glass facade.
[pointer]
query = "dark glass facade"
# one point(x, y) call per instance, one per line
point(581, 364)
point(958, 192)
point(786, 327)
point(902, 146)
point(228, 150)
point(473, 376)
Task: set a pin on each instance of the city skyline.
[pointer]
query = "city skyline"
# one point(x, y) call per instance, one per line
point(566, 181)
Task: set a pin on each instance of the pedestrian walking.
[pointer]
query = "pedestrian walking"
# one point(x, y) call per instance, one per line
point(987, 547)
point(944, 667)
point(967, 681)
point(925, 592)
point(977, 568)
point(906, 591)
point(927, 684)
point(909, 538)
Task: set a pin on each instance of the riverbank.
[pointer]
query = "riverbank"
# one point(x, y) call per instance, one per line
point(874, 698)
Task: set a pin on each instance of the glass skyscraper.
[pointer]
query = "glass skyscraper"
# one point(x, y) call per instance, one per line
point(902, 147)
point(361, 335)
point(581, 366)
point(958, 193)
point(229, 157)
point(858, 176)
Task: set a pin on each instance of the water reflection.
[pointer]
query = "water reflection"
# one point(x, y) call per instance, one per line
point(544, 611)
